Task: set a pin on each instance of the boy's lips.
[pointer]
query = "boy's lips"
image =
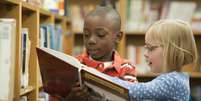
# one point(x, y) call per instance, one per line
point(93, 51)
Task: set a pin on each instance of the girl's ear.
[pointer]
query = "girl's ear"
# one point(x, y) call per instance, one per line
point(119, 36)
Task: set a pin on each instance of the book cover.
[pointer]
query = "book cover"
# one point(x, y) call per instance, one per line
point(7, 58)
point(61, 71)
point(58, 76)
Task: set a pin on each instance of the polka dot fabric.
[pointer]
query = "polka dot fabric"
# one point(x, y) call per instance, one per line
point(166, 87)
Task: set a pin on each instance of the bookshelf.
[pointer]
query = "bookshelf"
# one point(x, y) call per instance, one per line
point(31, 17)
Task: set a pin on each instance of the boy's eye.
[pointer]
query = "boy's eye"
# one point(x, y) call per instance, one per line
point(100, 34)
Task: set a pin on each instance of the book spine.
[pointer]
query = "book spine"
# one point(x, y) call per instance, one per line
point(91, 77)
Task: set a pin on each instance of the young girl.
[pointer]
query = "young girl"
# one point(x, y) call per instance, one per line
point(170, 45)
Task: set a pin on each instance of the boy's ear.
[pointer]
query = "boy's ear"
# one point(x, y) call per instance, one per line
point(119, 36)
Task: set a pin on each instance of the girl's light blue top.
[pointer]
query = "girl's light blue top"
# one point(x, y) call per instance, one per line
point(172, 86)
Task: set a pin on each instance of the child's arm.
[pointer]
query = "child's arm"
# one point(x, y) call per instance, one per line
point(165, 87)
point(128, 72)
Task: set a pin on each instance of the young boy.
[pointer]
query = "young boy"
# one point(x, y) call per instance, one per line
point(101, 34)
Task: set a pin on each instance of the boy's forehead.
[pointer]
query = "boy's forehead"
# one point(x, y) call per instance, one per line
point(101, 18)
point(98, 21)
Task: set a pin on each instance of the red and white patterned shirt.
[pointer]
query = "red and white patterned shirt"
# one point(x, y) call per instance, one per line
point(119, 67)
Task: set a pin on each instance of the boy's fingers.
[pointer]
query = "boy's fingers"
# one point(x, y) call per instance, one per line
point(76, 89)
point(77, 84)
point(82, 92)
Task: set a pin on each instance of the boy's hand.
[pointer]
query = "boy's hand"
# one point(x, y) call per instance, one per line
point(77, 94)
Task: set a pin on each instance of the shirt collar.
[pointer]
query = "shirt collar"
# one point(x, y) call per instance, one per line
point(117, 61)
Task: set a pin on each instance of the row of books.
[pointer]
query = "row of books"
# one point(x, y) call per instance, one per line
point(51, 36)
point(7, 58)
point(142, 13)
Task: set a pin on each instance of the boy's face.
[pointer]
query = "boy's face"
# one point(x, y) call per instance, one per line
point(99, 38)
point(154, 54)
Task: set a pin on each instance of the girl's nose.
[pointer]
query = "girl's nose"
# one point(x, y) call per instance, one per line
point(146, 53)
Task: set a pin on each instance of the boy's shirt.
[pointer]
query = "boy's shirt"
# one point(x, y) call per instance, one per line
point(119, 67)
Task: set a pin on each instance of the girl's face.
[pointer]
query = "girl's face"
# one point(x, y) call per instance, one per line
point(154, 54)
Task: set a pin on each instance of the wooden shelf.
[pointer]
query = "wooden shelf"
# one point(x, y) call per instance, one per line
point(194, 78)
point(78, 33)
point(141, 32)
point(24, 91)
point(15, 2)
point(196, 32)
point(45, 13)
point(153, 75)
point(195, 75)
point(28, 7)
point(58, 18)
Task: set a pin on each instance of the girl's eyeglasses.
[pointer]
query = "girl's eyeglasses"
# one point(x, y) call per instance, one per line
point(150, 48)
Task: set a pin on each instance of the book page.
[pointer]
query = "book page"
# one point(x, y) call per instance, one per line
point(66, 58)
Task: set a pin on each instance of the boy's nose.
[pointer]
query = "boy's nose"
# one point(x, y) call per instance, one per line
point(92, 40)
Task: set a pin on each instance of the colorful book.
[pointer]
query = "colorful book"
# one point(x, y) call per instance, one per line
point(61, 71)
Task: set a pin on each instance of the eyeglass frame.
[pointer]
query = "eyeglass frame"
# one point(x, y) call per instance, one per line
point(151, 48)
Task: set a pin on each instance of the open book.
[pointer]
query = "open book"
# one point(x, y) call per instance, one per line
point(61, 71)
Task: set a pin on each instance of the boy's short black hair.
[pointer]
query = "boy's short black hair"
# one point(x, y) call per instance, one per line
point(107, 11)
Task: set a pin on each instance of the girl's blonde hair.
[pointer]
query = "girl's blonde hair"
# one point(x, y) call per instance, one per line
point(176, 37)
